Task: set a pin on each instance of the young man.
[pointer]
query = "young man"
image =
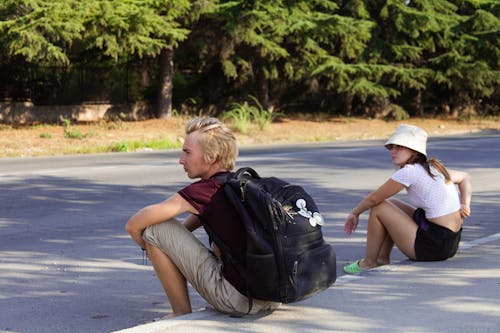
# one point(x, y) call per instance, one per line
point(177, 256)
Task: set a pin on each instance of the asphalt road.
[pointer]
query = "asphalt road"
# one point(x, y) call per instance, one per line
point(67, 265)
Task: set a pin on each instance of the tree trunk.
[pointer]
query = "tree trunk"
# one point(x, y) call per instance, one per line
point(164, 105)
point(347, 100)
point(262, 89)
point(417, 103)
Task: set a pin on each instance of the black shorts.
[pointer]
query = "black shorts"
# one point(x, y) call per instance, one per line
point(434, 242)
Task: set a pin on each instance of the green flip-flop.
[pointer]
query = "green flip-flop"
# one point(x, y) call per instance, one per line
point(353, 268)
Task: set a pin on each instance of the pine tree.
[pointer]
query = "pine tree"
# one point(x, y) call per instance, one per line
point(420, 50)
point(265, 48)
point(56, 31)
point(40, 31)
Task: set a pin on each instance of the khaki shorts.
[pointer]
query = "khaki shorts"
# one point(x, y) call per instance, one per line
point(201, 268)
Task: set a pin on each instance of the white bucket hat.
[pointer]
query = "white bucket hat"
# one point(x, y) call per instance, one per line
point(409, 136)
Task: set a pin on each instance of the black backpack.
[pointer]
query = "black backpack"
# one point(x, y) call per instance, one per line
point(287, 259)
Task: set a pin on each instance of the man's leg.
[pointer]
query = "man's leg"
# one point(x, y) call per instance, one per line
point(178, 256)
point(171, 279)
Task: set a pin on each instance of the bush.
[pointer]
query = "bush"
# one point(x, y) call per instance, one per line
point(244, 115)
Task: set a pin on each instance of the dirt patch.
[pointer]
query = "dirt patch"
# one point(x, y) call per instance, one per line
point(49, 140)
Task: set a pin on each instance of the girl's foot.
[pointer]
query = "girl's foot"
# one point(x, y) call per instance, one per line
point(382, 262)
point(365, 266)
point(357, 267)
point(353, 268)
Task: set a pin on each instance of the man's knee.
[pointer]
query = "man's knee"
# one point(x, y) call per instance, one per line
point(148, 235)
point(153, 234)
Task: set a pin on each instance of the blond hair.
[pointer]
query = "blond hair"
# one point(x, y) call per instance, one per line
point(217, 141)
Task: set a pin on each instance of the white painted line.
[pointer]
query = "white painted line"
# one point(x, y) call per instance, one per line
point(479, 241)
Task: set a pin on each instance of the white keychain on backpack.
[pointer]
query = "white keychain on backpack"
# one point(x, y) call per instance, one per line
point(314, 218)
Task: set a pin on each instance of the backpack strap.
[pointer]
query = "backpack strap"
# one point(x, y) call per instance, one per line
point(222, 177)
point(238, 175)
point(225, 249)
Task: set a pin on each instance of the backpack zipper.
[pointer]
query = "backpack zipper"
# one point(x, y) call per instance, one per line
point(242, 190)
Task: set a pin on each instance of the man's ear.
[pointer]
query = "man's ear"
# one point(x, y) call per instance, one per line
point(211, 159)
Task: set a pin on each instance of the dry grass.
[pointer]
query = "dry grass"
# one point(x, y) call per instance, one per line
point(49, 140)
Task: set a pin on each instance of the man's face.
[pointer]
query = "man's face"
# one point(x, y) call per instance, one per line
point(192, 158)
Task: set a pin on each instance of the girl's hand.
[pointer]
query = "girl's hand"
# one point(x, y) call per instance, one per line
point(464, 210)
point(351, 223)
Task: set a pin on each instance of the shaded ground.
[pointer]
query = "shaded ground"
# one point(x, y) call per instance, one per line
point(91, 138)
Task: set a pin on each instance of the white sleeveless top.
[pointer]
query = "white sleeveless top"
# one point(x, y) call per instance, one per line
point(433, 195)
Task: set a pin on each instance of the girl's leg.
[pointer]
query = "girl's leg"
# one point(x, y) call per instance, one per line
point(384, 254)
point(408, 209)
point(171, 279)
point(388, 220)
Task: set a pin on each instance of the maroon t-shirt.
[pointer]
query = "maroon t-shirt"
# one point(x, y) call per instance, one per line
point(208, 198)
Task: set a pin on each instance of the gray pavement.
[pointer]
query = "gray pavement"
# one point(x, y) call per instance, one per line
point(461, 294)
point(458, 295)
point(67, 265)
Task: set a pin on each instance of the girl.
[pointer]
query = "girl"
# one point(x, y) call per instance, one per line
point(430, 228)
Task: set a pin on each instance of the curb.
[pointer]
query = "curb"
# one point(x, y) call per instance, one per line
point(205, 313)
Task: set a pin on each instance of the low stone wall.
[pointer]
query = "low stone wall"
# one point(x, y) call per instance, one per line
point(25, 113)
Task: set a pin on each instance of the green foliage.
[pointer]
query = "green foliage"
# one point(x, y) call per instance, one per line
point(262, 117)
point(240, 115)
point(271, 44)
point(417, 46)
point(130, 146)
point(364, 89)
point(40, 31)
point(119, 147)
point(56, 31)
point(397, 113)
point(71, 133)
point(342, 54)
point(130, 27)
point(243, 115)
